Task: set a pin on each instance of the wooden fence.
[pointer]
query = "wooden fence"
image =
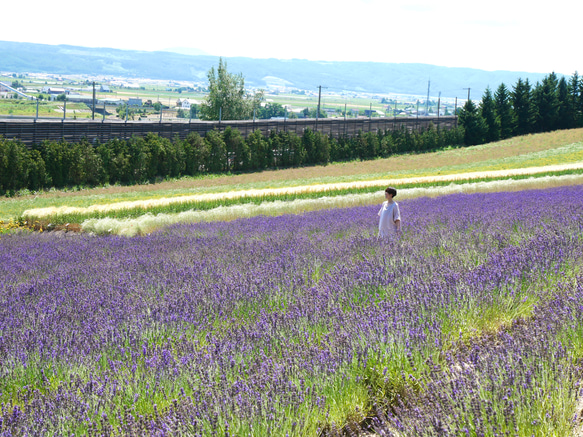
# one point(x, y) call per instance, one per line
point(34, 131)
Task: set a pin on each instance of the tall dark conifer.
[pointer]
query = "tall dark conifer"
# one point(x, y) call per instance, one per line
point(503, 110)
point(566, 112)
point(524, 110)
point(488, 113)
point(547, 103)
point(474, 125)
point(575, 93)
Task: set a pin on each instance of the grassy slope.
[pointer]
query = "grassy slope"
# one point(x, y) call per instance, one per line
point(526, 151)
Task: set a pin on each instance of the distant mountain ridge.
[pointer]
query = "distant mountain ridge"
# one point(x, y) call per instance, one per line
point(369, 77)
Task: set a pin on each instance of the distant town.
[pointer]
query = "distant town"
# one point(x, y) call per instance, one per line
point(118, 98)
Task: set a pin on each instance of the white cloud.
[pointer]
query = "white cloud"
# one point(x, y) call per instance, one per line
point(498, 35)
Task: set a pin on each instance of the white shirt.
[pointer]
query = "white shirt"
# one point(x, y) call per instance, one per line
point(388, 214)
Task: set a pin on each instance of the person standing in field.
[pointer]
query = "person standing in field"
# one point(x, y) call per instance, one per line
point(389, 215)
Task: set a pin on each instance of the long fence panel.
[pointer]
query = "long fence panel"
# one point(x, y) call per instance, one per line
point(34, 131)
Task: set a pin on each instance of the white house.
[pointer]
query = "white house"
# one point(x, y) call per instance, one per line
point(186, 103)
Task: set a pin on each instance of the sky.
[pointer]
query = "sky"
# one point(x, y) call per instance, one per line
point(512, 35)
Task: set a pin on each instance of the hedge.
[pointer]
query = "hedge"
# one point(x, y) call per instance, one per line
point(150, 158)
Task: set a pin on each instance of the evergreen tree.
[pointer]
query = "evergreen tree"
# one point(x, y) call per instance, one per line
point(217, 161)
point(196, 153)
point(284, 153)
point(488, 113)
point(372, 145)
point(309, 144)
point(524, 111)
point(258, 149)
point(237, 150)
point(322, 148)
point(579, 104)
point(575, 89)
point(503, 109)
point(361, 145)
point(13, 158)
point(566, 113)
point(37, 176)
point(473, 123)
point(296, 149)
point(546, 100)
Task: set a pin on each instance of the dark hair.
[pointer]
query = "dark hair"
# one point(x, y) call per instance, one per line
point(391, 190)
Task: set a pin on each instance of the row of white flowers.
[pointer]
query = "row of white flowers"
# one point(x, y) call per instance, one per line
point(149, 222)
point(41, 213)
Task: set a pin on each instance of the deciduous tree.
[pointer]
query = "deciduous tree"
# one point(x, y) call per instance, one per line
point(227, 98)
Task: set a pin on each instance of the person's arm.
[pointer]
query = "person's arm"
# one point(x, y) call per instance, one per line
point(397, 217)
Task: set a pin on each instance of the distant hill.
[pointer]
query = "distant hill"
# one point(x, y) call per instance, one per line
point(371, 77)
point(186, 51)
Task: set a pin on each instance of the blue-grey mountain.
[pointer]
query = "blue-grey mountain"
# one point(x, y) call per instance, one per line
point(371, 77)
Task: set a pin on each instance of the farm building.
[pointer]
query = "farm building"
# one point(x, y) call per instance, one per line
point(185, 103)
point(79, 98)
point(54, 91)
point(110, 102)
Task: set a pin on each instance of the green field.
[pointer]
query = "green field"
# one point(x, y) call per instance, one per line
point(168, 94)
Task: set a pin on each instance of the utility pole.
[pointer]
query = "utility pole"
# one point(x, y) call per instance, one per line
point(427, 101)
point(438, 104)
point(468, 93)
point(93, 109)
point(319, 98)
point(344, 119)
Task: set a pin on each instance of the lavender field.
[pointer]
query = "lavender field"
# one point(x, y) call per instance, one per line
point(470, 324)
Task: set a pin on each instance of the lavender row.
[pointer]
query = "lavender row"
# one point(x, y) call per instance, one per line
point(285, 323)
point(521, 381)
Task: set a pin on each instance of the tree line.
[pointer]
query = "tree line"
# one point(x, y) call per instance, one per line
point(150, 158)
point(548, 105)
